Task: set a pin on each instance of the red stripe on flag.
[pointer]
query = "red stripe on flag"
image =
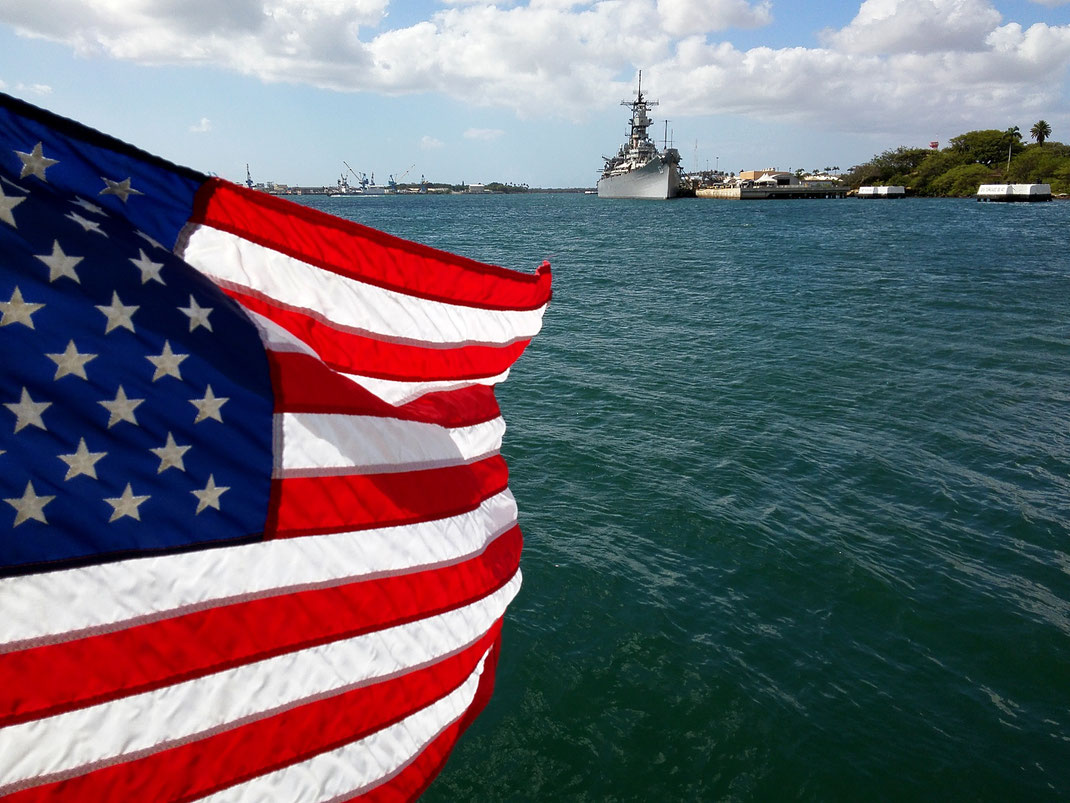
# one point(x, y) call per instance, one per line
point(47, 680)
point(303, 384)
point(200, 768)
point(413, 781)
point(353, 250)
point(330, 504)
point(359, 354)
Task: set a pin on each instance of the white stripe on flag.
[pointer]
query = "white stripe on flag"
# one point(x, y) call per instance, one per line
point(315, 443)
point(395, 392)
point(359, 766)
point(165, 716)
point(348, 303)
point(53, 606)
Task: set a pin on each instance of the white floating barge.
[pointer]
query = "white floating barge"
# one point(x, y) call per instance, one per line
point(882, 192)
point(1014, 192)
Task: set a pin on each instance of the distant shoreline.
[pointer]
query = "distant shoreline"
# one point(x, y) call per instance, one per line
point(332, 192)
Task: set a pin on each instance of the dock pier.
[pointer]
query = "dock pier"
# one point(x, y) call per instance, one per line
point(770, 193)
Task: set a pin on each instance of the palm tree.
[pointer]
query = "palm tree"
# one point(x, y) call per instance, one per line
point(1040, 131)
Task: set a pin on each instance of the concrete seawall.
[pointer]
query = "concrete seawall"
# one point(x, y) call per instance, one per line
point(769, 193)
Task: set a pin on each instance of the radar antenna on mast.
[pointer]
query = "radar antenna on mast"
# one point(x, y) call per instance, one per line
point(634, 104)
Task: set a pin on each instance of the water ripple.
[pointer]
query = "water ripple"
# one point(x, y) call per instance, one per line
point(795, 486)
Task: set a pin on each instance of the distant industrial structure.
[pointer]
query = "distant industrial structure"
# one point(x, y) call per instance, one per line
point(365, 185)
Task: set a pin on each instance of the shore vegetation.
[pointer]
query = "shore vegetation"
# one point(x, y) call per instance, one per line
point(969, 160)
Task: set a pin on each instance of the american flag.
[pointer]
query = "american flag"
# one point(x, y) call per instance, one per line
point(258, 540)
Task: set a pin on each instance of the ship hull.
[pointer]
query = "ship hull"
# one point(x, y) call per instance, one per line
point(656, 179)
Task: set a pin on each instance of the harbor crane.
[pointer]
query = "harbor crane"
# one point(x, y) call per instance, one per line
point(362, 178)
point(395, 181)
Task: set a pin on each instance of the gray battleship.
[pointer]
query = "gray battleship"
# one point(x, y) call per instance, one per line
point(640, 170)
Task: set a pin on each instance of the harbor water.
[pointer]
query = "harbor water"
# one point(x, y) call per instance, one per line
point(794, 480)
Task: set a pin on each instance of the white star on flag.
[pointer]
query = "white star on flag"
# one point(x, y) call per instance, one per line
point(118, 314)
point(170, 455)
point(149, 270)
point(35, 163)
point(126, 505)
point(60, 264)
point(7, 203)
point(209, 497)
point(71, 362)
point(121, 408)
point(17, 310)
point(166, 362)
point(29, 505)
point(86, 224)
point(28, 412)
point(122, 189)
point(198, 315)
point(89, 207)
point(209, 406)
point(82, 461)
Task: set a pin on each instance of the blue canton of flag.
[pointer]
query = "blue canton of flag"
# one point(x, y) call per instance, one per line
point(136, 397)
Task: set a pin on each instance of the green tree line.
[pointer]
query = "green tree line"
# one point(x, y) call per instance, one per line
point(969, 160)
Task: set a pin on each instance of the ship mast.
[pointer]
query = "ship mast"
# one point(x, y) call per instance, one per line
point(640, 122)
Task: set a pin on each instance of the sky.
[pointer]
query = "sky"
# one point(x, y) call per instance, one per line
point(529, 92)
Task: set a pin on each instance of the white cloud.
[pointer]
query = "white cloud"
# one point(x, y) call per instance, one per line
point(544, 55)
point(28, 89)
point(202, 127)
point(483, 133)
point(916, 26)
point(1016, 75)
point(936, 64)
point(531, 58)
point(309, 41)
point(685, 17)
point(429, 143)
point(34, 89)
